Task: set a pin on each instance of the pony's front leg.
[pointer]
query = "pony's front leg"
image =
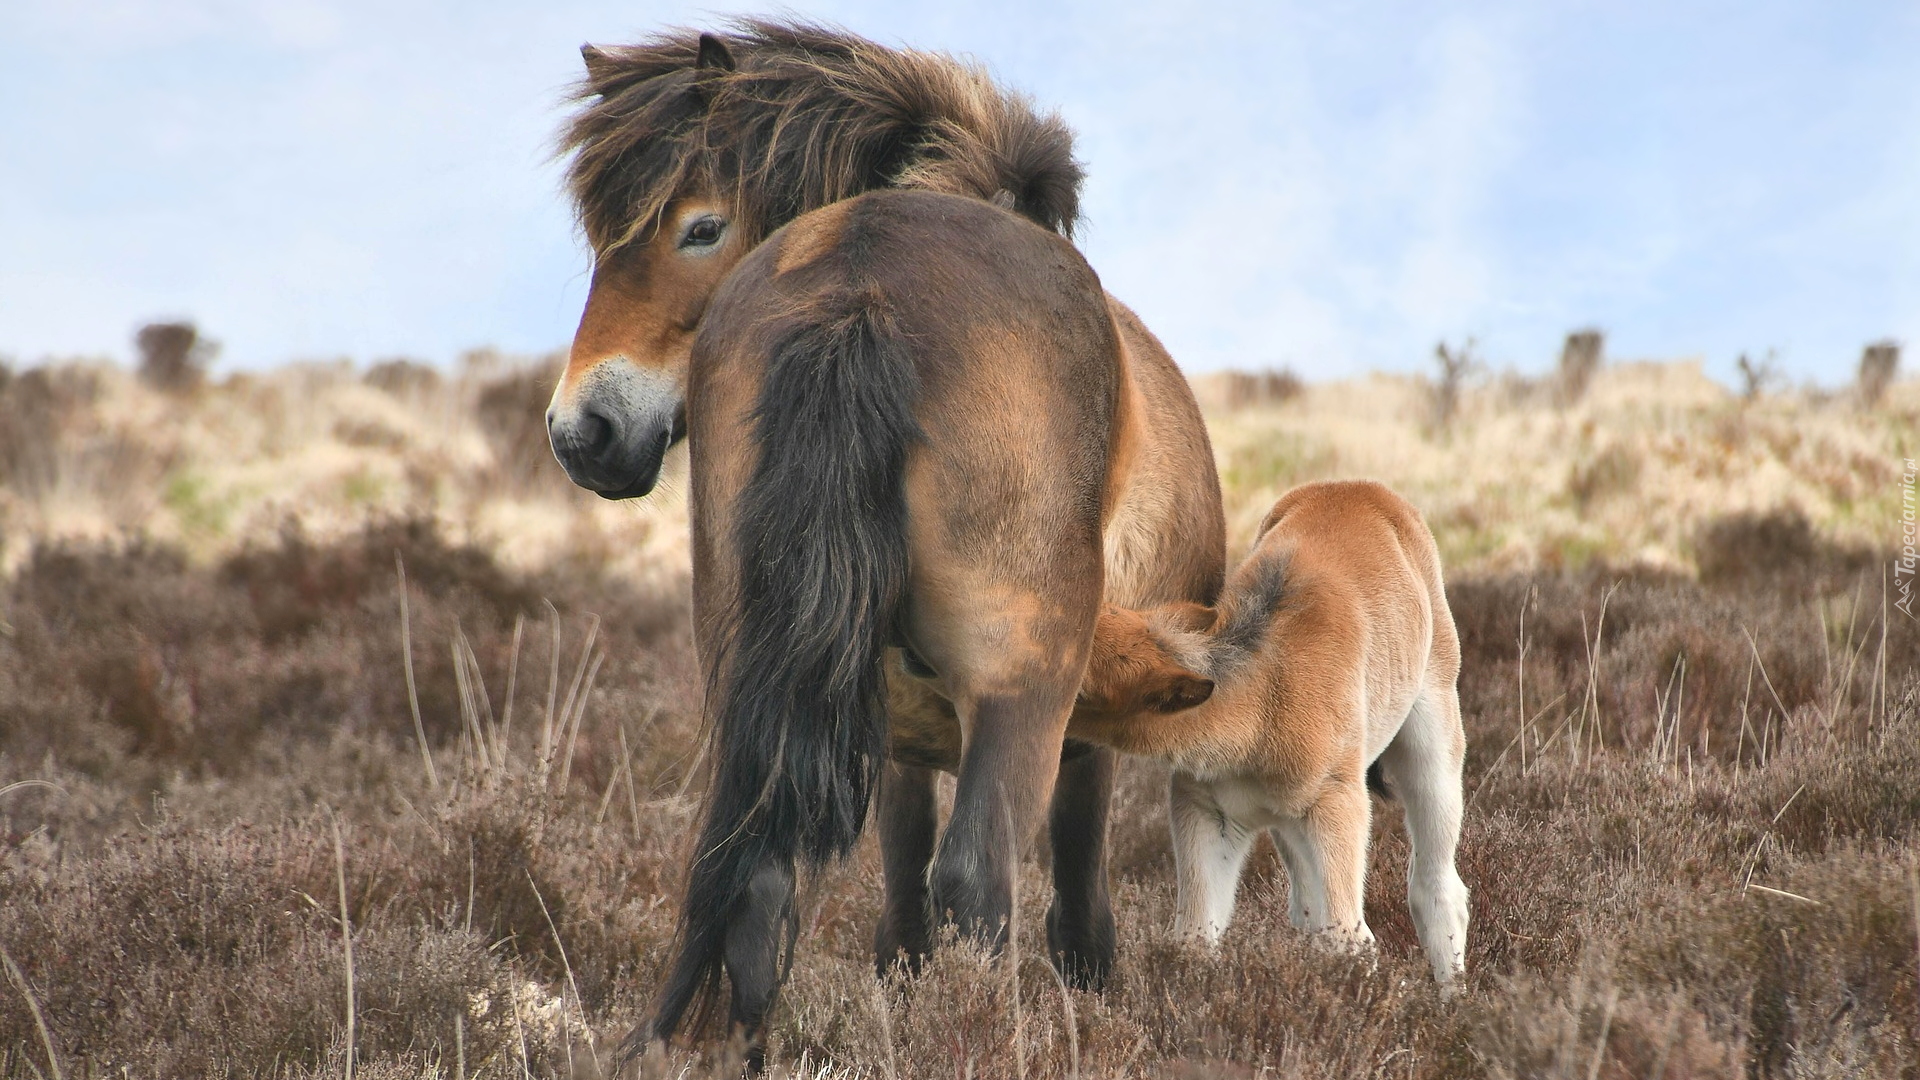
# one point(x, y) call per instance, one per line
point(908, 820)
point(1080, 931)
point(1006, 776)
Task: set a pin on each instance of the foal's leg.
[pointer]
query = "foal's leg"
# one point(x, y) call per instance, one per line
point(1209, 849)
point(1422, 767)
point(907, 818)
point(1080, 931)
point(1329, 846)
point(1305, 891)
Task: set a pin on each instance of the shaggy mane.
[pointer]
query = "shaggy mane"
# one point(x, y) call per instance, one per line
point(809, 116)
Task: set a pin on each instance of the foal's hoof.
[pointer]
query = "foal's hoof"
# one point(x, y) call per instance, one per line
point(1353, 942)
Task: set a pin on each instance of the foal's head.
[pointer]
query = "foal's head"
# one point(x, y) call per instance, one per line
point(688, 150)
point(1133, 667)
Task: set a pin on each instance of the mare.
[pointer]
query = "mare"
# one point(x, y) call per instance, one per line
point(925, 445)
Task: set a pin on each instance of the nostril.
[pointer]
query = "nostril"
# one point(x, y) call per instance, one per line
point(596, 431)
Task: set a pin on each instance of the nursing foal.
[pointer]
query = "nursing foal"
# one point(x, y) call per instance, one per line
point(1329, 665)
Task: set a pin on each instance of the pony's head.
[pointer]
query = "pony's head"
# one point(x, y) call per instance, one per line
point(1132, 668)
point(688, 150)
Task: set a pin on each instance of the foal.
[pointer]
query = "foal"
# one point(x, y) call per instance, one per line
point(1328, 666)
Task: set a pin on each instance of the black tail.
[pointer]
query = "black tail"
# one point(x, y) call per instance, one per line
point(797, 696)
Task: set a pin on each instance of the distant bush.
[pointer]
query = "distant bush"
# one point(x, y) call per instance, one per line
point(1879, 363)
point(1245, 389)
point(512, 410)
point(401, 376)
point(1580, 360)
point(173, 356)
point(37, 407)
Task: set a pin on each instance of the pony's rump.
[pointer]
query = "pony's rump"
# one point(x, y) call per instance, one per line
point(796, 693)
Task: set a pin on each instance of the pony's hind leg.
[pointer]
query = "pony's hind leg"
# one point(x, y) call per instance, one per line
point(908, 820)
point(757, 947)
point(1006, 777)
point(1209, 849)
point(1080, 931)
point(1422, 768)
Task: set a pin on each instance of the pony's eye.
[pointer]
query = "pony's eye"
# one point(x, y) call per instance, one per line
point(704, 232)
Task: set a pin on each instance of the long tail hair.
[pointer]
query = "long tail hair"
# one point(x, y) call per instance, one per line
point(797, 695)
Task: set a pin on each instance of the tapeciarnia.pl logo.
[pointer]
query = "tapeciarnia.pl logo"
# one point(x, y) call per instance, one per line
point(1904, 565)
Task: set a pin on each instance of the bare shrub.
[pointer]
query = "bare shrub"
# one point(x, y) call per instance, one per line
point(1755, 376)
point(1879, 364)
point(173, 356)
point(1580, 360)
point(1456, 366)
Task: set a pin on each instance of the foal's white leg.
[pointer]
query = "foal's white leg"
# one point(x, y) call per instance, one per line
point(1209, 848)
point(1422, 768)
point(1326, 857)
point(1306, 892)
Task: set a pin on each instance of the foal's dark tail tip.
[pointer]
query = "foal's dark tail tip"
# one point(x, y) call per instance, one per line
point(1377, 782)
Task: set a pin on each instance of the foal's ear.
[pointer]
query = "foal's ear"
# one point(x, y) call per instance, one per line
point(714, 54)
point(1186, 615)
point(1183, 691)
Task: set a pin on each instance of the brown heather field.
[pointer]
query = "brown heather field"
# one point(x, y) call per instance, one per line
point(1694, 769)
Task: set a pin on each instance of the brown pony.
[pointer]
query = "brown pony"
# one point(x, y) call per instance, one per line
point(925, 445)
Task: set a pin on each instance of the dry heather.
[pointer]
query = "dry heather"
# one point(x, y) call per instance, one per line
point(1627, 473)
point(1694, 773)
point(89, 452)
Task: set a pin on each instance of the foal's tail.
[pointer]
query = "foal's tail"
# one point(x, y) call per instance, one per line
point(797, 695)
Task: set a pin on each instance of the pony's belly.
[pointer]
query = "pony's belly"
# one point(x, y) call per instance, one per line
point(922, 728)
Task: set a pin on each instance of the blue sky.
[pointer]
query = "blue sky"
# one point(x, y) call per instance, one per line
point(1330, 187)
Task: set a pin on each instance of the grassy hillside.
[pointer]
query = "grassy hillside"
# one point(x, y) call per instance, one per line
point(1694, 764)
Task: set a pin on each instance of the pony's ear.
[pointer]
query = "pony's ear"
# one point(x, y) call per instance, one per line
point(598, 62)
point(714, 54)
point(1182, 691)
